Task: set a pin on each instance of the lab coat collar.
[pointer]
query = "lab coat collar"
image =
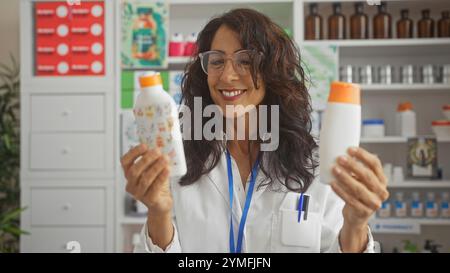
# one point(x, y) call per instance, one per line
point(218, 177)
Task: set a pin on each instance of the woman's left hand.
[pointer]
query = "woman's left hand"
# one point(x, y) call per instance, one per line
point(361, 183)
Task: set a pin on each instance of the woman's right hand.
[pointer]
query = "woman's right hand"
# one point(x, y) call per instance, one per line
point(148, 178)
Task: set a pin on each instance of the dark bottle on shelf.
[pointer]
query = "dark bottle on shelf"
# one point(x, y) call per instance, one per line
point(444, 25)
point(404, 25)
point(382, 23)
point(425, 26)
point(336, 23)
point(313, 24)
point(359, 23)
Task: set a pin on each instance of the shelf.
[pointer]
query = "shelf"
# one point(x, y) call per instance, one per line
point(133, 220)
point(404, 225)
point(179, 60)
point(391, 139)
point(379, 42)
point(407, 88)
point(388, 139)
point(219, 2)
point(421, 184)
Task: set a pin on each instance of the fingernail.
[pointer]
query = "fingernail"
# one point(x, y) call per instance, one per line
point(337, 170)
point(352, 150)
point(343, 160)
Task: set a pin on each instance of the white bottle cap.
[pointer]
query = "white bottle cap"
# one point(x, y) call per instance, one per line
point(177, 37)
point(192, 38)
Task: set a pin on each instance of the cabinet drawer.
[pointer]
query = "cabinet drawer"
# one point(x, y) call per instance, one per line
point(74, 206)
point(67, 151)
point(54, 240)
point(62, 113)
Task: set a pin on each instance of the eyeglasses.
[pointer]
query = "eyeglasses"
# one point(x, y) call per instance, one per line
point(213, 62)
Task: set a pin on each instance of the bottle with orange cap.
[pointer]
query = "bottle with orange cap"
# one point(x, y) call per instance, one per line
point(405, 120)
point(341, 126)
point(157, 121)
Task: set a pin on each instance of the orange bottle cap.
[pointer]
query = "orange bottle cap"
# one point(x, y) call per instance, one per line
point(343, 92)
point(405, 106)
point(150, 79)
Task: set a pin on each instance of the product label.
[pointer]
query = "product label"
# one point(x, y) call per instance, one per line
point(416, 209)
point(445, 210)
point(385, 210)
point(156, 128)
point(400, 209)
point(431, 210)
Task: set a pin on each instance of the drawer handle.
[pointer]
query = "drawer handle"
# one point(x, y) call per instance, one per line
point(66, 113)
point(67, 206)
point(65, 151)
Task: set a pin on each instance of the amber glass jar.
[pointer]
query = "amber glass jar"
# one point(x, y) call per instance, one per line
point(382, 23)
point(404, 25)
point(336, 23)
point(313, 24)
point(425, 26)
point(359, 23)
point(444, 25)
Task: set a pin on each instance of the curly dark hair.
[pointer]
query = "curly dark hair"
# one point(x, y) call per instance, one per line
point(294, 162)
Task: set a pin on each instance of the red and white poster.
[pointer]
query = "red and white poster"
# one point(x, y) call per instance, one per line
point(70, 40)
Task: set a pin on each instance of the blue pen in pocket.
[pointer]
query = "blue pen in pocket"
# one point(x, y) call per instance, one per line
point(303, 203)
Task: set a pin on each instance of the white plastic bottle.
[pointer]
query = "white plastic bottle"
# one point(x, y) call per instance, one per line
point(157, 121)
point(386, 210)
point(416, 205)
point(406, 120)
point(341, 126)
point(400, 205)
point(445, 209)
point(431, 207)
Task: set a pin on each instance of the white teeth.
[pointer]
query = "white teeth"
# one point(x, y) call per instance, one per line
point(231, 93)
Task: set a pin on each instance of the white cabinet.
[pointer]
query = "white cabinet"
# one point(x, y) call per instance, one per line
point(65, 113)
point(55, 239)
point(67, 150)
point(67, 206)
point(70, 151)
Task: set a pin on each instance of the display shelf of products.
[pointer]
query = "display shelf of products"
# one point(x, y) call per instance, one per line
point(179, 60)
point(426, 184)
point(379, 42)
point(404, 225)
point(390, 139)
point(189, 2)
point(407, 88)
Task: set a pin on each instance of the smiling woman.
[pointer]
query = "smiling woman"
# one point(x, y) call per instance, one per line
point(272, 200)
point(246, 59)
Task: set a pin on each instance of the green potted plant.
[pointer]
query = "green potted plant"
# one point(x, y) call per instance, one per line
point(10, 157)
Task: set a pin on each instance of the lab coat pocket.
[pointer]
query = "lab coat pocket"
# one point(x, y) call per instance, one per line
point(305, 233)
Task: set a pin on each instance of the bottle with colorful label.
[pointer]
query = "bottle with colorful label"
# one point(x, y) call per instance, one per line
point(400, 205)
point(157, 121)
point(445, 209)
point(416, 205)
point(431, 207)
point(385, 211)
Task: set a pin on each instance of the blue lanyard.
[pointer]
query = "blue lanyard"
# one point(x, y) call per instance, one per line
point(248, 200)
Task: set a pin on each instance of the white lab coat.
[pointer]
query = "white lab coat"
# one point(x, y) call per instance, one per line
point(202, 217)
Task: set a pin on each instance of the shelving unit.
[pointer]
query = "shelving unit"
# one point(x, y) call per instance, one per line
point(380, 101)
point(421, 184)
